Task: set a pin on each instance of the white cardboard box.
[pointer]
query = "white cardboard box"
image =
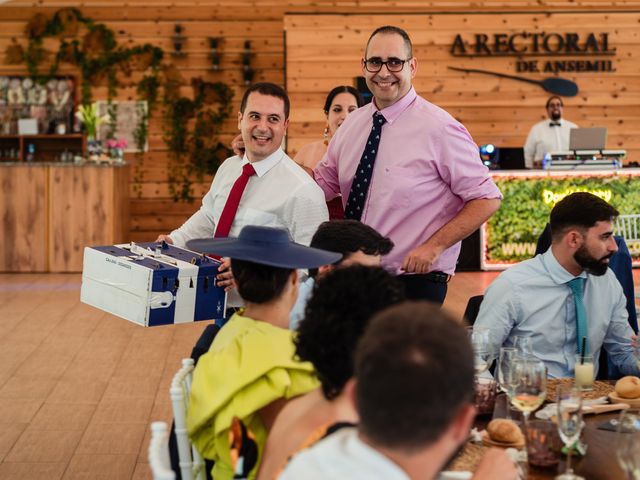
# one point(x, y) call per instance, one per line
point(152, 286)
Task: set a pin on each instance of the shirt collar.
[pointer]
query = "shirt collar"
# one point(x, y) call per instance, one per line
point(392, 112)
point(263, 166)
point(556, 271)
point(357, 448)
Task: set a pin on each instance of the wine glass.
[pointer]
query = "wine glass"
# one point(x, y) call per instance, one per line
point(628, 443)
point(505, 372)
point(530, 385)
point(523, 344)
point(569, 423)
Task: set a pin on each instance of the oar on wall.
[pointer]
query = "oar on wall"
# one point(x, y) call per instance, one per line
point(555, 85)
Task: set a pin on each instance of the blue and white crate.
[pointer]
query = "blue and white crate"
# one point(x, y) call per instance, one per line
point(152, 284)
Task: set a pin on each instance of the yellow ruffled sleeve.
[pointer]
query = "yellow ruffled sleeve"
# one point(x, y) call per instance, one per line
point(250, 365)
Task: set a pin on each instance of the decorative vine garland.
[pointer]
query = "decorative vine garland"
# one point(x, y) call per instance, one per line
point(190, 126)
point(190, 134)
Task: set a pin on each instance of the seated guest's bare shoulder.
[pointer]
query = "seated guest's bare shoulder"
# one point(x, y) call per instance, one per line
point(310, 154)
point(300, 423)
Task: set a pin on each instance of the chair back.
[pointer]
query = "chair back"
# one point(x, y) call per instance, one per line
point(191, 463)
point(159, 453)
point(473, 308)
point(204, 342)
point(628, 227)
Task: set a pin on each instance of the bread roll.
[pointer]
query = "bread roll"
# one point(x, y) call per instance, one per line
point(505, 431)
point(628, 387)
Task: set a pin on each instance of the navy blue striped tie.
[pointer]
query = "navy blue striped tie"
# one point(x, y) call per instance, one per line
point(362, 178)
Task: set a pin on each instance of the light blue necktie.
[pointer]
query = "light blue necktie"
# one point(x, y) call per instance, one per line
point(577, 287)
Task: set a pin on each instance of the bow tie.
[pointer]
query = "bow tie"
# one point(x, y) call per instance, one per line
point(554, 124)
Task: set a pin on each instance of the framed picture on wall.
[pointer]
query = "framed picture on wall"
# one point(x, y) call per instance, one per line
point(128, 114)
point(48, 107)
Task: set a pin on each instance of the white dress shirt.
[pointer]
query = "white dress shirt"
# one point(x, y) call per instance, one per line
point(342, 455)
point(533, 299)
point(305, 288)
point(281, 194)
point(544, 138)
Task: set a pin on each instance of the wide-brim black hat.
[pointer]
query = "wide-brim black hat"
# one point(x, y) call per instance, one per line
point(266, 246)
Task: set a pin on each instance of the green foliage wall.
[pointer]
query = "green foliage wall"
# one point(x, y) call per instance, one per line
point(524, 213)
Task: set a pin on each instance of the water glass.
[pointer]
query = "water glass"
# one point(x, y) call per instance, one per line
point(505, 368)
point(504, 409)
point(483, 354)
point(628, 443)
point(505, 372)
point(523, 345)
point(543, 443)
point(485, 395)
point(569, 423)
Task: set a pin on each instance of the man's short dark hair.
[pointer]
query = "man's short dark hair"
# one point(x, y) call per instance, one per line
point(348, 237)
point(340, 307)
point(388, 30)
point(266, 88)
point(259, 283)
point(554, 97)
point(414, 371)
point(582, 210)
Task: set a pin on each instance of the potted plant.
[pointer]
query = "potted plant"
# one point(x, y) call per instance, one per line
point(88, 115)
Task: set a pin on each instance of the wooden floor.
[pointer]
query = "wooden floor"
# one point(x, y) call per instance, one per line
point(79, 388)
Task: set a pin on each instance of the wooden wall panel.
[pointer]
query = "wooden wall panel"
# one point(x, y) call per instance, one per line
point(275, 9)
point(153, 22)
point(86, 209)
point(324, 52)
point(24, 219)
point(121, 205)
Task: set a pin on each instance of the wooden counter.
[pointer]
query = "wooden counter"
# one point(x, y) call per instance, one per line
point(50, 212)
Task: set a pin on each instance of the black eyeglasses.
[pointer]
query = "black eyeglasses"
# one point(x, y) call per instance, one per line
point(375, 64)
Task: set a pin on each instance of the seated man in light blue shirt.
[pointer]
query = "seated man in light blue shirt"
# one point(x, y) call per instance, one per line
point(358, 243)
point(536, 297)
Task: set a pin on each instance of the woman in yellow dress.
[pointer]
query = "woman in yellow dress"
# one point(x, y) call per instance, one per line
point(250, 372)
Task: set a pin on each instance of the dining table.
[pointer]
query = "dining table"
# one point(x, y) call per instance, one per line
point(599, 463)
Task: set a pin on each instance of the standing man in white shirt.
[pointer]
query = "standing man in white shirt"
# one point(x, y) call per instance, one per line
point(278, 194)
point(550, 135)
point(263, 187)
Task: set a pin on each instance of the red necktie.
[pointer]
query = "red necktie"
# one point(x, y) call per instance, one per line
point(233, 200)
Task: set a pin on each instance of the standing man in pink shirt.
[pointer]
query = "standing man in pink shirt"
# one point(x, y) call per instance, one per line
point(409, 170)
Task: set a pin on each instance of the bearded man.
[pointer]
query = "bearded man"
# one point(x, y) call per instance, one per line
point(566, 300)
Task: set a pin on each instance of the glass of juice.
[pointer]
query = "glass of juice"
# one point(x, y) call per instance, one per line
point(584, 372)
